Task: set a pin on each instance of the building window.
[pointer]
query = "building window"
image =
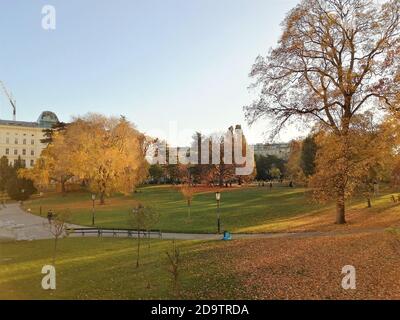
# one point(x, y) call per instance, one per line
point(15, 151)
point(32, 163)
point(8, 140)
point(7, 151)
point(24, 141)
point(24, 152)
point(32, 152)
point(16, 141)
point(32, 142)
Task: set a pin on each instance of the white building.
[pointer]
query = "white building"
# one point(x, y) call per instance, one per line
point(280, 150)
point(23, 139)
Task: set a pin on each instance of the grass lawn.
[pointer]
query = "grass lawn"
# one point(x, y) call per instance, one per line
point(241, 208)
point(93, 268)
point(248, 209)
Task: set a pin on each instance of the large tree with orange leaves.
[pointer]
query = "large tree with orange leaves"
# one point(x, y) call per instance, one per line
point(107, 152)
point(335, 60)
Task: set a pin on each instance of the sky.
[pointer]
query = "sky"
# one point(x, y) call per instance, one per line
point(172, 67)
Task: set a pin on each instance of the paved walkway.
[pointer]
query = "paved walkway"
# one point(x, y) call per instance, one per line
point(17, 224)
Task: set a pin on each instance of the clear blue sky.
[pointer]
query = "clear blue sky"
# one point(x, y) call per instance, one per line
point(155, 61)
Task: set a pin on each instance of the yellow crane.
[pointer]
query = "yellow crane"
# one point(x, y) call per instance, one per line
point(10, 99)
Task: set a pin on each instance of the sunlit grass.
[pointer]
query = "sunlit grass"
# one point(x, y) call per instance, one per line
point(249, 209)
point(94, 268)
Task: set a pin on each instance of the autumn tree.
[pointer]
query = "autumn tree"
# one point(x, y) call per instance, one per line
point(395, 174)
point(369, 151)
point(294, 170)
point(108, 153)
point(391, 128)
point(187, 192)
point(335, 59)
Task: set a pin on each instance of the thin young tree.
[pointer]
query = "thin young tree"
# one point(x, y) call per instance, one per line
point(58, 228)
point(335, 59)
point(174, 259)
point(187, 192)
point(142, 219)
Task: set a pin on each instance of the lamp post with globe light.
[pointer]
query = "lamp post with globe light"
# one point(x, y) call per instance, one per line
point(218, 198)
point(93, 200)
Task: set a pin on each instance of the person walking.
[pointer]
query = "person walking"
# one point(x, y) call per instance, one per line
point(50, 216)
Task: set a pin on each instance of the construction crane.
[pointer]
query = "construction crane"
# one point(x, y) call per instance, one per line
point(10, 99)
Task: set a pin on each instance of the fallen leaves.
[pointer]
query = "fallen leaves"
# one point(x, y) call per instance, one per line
point(303, 268)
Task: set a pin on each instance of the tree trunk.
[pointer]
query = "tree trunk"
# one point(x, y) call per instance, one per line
point(343, 168)
point(340, 211)
point(55, 251)
point(102, 198)
point(369, 203)
point(63, 188)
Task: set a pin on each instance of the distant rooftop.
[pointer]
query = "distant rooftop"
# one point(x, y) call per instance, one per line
point(45, 120)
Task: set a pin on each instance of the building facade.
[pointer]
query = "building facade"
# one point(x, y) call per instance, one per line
point(279, 150)
point(23, 139)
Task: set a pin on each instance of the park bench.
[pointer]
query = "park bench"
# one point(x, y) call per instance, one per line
point(114, 232)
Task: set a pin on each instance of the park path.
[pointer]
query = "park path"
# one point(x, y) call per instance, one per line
point(16, 224)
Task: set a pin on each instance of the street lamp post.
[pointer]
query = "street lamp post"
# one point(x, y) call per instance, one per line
point(93, 199)
point(218, 198)
point(23, 194)
point(40, 197)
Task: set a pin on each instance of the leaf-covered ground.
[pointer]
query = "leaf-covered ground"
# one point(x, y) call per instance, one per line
point(306, 268)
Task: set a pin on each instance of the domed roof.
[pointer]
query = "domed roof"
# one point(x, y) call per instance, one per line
point(47, 119)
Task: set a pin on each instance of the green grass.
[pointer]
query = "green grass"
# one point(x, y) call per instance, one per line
point(241, 209)
point(248, 209)
point(93, 268)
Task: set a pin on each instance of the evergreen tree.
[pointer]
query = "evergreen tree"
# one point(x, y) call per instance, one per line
point(19, 189)
point(6, 171)
point(308, 154)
